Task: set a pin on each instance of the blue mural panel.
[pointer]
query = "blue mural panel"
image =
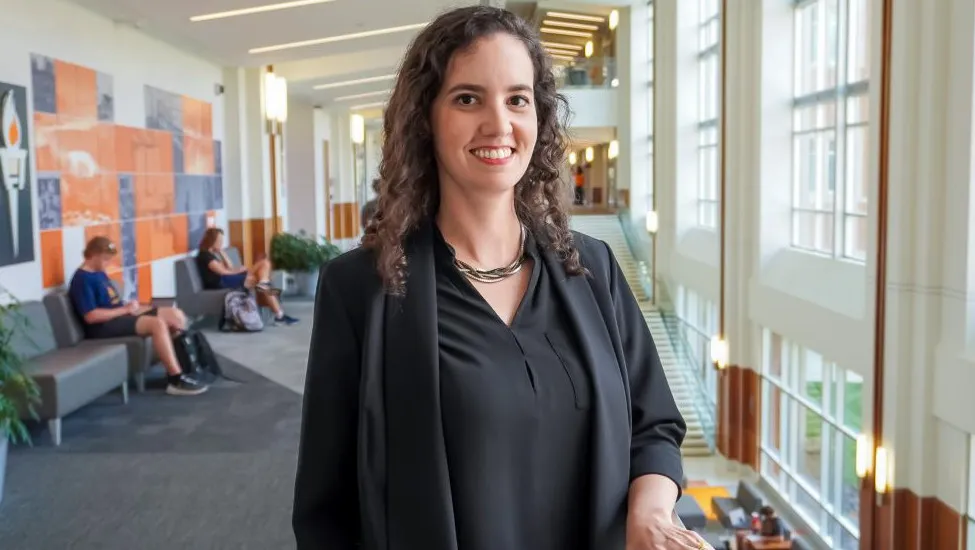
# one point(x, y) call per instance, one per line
point(128, 243)
point(178, 167)
point(49, 199)
point(43, 83)
point(215, 194)
point(192, 194)
point(217, 157)
point(106, 97)
point(130, 284)
point(197, 225)
point(164, 110)
point(126, 197)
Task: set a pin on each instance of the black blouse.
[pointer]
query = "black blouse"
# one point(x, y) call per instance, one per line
point(516, 418)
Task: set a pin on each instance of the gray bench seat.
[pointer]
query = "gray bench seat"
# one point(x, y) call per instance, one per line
point(68, 378)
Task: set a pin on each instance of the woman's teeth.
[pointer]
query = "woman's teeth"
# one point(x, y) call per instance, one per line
point(493, 153)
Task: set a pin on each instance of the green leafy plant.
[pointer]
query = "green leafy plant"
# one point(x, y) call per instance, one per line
point(297, 253)
point(18, 392)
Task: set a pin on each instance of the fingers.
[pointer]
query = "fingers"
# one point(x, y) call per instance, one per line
point(690, 540)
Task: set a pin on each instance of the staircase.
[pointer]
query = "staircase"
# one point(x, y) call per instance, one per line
point(607, 228)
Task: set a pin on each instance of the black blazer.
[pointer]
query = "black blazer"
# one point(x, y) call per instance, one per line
point(372, 468)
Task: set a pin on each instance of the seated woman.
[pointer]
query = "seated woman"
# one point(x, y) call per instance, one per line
point(217, 272)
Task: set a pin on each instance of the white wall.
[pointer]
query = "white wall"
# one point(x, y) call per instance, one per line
point(592, 107)
point(67, 32)
point(300, 179)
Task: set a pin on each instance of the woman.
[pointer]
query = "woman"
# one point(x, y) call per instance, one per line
point(218, 272)
point(452, 404)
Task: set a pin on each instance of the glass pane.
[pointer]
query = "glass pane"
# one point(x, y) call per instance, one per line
point(850, 484)
point(810, 447)
point(858, 49)
point(812, 374)
point(857, 170)
point(773, 417)
point(772, 472)
point(853, 402)
point(808, 507)
point(773, 363)
point(815, 171)
point(816, 46)
point(813, 230)
point(816, 116)
point(855, 237)
point(858, 109)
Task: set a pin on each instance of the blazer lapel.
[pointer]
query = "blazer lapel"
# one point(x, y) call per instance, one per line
point(419, 505)
point(611, 421)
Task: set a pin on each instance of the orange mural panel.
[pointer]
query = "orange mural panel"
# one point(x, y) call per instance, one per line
point(163, 239)
point(45, 142)
point(198, 155)
point(207, 120)
point(106, 147)
point(192, 116)
point(90, 200)
point(64, 75)
point(159, 154)
point(52, 258)
point(143, 241)
point(144, 279)
point(125, 147)
point(77, 147)
point(86, 94)
point(154, 194)
point(114, 232)
point(181, 233)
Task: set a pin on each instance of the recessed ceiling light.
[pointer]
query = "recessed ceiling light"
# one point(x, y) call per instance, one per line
point(257, 9)
point(331, 85)
point(565, 32)
point(367, 106)
point(339, 38)
point(360, 96)
point(575, 16)
point(562, 45)
point(568, 25)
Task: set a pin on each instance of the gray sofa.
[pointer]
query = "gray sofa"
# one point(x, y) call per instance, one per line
point(191, 297)
point(68, 376)
point(748, 498)
point(68, 332)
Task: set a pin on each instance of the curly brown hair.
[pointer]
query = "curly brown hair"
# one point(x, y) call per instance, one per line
point(409, 190)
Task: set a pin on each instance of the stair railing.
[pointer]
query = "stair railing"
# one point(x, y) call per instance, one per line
point(640, 250)
point(691, 350)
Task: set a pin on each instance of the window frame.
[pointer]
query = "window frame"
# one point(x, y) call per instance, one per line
point(839, 243)
point(781, 467)
point(708, 189)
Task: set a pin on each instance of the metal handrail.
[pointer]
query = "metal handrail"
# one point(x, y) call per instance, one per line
point(692, 365)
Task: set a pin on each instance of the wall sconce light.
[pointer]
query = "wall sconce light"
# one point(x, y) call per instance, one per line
point(719, 351)
point(275, 101)
point(614, 19)
point(864, 451)
point(614, 149)
point(572, 158)
point(589, 48)
point(357, 129)
point(590, 154)
point(882, 471)
point(652, 222)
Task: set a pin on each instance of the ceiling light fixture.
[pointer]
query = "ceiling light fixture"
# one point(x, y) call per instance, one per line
point(575, 16)
point(614, 20)
point(367, 106)
point(360, 96)
point(554, 51)
point(342, 84)
point(339, 38)
point(566, 24)
point(563, 57)
point(562, 45)
point(257, 9)
point(564, 32)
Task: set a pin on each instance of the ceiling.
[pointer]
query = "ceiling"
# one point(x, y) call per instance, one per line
point(229, 41)
point(580, 138)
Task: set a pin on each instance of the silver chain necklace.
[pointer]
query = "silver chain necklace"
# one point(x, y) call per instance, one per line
point(497, 274)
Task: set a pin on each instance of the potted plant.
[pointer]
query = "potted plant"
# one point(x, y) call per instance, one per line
point(18, 392)
point(302, 256)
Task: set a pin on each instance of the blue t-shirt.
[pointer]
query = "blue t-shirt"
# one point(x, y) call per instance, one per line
point(91, 290)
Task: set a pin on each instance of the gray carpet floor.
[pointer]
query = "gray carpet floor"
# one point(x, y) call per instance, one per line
point(209, 472)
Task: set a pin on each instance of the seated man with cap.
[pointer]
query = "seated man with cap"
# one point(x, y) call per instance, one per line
point(105, 315)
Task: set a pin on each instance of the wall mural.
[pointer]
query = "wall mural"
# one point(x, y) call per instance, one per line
point(153, 190)
point(16, 221)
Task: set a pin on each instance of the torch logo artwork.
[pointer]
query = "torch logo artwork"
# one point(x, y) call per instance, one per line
point(13, 162)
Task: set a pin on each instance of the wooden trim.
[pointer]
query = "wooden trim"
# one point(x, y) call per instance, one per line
point(875, 516)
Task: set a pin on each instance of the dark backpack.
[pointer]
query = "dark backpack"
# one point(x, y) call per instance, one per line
point(240, 312)
point(195, 355)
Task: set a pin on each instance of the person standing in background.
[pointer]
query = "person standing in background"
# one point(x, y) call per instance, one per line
point(580, 182)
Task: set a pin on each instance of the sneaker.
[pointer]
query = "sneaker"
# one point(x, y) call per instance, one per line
point(285, 320)
point(185, 385)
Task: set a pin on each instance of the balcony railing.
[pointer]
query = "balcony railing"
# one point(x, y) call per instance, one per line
point(587, 73)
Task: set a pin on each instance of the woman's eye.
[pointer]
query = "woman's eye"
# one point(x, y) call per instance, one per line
point(519, 101)
point(466, 99)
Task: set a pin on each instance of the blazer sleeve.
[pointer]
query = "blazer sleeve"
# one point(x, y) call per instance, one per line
point(326, 507)
point(658, 427)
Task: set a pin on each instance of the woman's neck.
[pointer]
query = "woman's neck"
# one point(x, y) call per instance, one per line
point(485, 234)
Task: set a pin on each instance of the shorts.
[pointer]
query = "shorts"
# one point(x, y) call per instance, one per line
point(233, 281)
point(118, 327)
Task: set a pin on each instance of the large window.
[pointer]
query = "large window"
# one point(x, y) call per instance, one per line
point(699, 321)
point(811, 417)
point(650, 55)
point(709, 92)
point(831, 105)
